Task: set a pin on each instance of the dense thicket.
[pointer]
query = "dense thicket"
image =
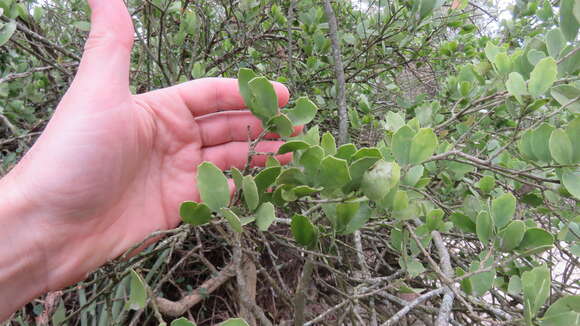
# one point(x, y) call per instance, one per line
point(438, 183)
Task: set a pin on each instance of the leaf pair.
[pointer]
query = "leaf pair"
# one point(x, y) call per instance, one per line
point(260, 97)
point(413, 147)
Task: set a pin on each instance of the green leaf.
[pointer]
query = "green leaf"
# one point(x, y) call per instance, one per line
point(250, 192)
point(377, 182)
point(536, 240)
point(511, 236)
point(486, 184)
point(265, 216)
point(401, 144)
point(82, 25)
point(482, 282)
point(281, 125)
point(359, 220)
point(573, 132)
point(516, 85)
point(422, 146)
point(564, 312)
point(59, 315)
point(401, 201)
point(465, 283)
point(304, 111)
point(357, 170)
point(484, 227)
point(555, 42)
point(565, 94)
point(427, 7)
point(266, 178)
point(491, 51)
point(561, 147)
point(265, 99)
point(244, 77)
point(346, 151)
point(571, 180)
point(345, 212)
point(194, 213)
point(568, 22)
point(525, 146)
point(213, 186)
point(534, 56)
point(413, 175)
point(291, 176)
point(138, 292)
point(515, 285)
point(6, 31)
point(543, 76)
point(292, 146)
point(247, 220)
point(366, 152)
point(232, 219)
point(311, 159)
point(234, 322)
point(333, 173)
point(237, 177)
point(503, 209)
point(536, 286)
point(182, 322)
point(394, 121)
point(503, 63)
point(541, 142)
point(304, 232)
point(463, 222)
point(328, 144)
point(302, 191)
point(413, 267)
point(312, 136)
point(434, 219)
point(570, 60)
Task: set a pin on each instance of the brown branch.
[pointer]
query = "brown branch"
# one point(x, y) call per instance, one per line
point(447, 303)
point(339, 72)
point(178, 308)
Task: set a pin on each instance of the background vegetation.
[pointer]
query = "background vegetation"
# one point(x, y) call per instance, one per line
point(470, 123)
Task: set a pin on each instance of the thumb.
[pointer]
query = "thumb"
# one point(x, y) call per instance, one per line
point(106, 59)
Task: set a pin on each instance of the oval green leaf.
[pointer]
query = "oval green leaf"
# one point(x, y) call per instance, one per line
point(265, 104)
point(535, 241)
point(213, 186)
point(561, 147)
point(484, 227)
point(303, 112)
point(377, 182)
point(503, 209)
point(304, 232)
point(333, 173)
point(265, 216)
point(194, 213)
point(571, 180)
point(543, 76)
point(511, 236)
point(423, 145)
point(292, 146)
point(232, 219)
point(250, 192)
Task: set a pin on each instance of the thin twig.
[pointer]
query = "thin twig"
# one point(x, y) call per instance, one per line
point(339, 72)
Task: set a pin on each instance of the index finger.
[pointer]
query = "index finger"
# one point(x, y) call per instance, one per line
point(210, 95)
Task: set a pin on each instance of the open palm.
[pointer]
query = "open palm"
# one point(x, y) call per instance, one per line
point(111, 167)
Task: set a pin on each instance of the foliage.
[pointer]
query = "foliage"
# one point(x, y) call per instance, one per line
point(461, 180)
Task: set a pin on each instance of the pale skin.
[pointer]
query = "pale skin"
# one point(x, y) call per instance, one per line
point(112, 167)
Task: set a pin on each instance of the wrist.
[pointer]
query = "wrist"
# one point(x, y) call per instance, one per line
point(23, 263)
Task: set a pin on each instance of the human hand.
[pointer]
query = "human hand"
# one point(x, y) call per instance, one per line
point(111, 168)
